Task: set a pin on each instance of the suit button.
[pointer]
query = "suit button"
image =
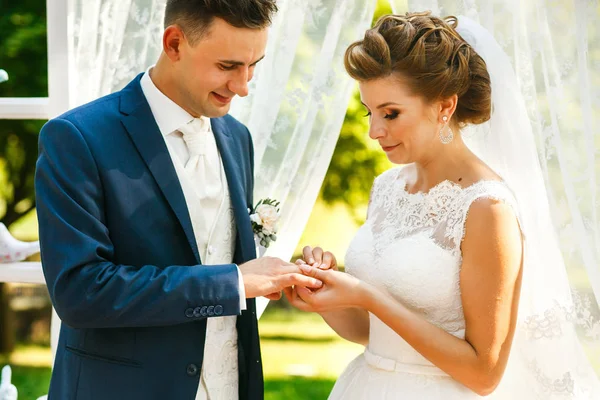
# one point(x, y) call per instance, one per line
point(189, 312)
point(211, 311)
point(219, 310)
point(192, 370)
point(197, 313)
point(203, 311)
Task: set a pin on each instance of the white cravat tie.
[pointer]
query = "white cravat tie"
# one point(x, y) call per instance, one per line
point(203, 165)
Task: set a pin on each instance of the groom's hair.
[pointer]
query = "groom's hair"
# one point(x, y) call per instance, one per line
point(195, 17)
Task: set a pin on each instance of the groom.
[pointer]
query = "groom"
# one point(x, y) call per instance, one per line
point(147, 246)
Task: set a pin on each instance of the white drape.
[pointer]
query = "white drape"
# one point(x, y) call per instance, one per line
point(297, 104)
point(110, 42)
point(555, 51)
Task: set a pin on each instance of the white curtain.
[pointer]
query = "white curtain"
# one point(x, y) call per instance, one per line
point(297, 104)
point(555, 51)
point(110, 42)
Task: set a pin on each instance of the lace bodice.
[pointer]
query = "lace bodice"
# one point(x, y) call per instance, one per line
point(410, 246)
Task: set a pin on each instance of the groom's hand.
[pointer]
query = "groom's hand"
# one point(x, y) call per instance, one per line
point(318, 258)
point(268, 276)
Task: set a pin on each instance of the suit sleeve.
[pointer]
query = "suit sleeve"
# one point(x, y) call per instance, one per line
point(87, 289)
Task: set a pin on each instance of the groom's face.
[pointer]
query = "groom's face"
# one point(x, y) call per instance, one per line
point(218, 67)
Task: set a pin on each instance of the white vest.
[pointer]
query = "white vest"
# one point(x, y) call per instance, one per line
point(216, 244)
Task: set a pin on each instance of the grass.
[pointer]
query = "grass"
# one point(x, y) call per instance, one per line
point(298, 344)
point(302, 357)
point(30, 370)
point(31, 382)
point(297, 388)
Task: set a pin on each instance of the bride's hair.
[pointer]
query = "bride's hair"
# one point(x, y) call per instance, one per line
point(429, 55)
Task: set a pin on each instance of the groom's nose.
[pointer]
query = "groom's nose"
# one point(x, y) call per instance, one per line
point(239, 83)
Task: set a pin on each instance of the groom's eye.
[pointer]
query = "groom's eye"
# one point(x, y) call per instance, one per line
point(225, 67)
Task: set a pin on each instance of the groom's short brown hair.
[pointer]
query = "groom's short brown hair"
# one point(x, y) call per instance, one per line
point(195, 16)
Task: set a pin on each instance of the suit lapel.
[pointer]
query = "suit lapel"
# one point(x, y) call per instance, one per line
point(141, 126)
point(232, 163)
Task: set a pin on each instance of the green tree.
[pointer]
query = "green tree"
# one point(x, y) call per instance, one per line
point(23, 54)
point(356, 160)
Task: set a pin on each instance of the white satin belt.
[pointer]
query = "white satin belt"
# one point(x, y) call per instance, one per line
point(387, 364)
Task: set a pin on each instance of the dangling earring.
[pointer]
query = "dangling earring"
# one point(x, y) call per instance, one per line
point(446, 138)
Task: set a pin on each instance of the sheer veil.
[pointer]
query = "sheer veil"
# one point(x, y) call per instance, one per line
point(547, 359)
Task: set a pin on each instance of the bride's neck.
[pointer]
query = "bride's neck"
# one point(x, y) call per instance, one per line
point(448, 162)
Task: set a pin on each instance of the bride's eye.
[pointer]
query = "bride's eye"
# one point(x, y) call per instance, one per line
point(392, 115)
point(368, 114)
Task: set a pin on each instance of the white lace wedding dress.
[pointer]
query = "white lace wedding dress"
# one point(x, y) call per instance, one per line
point(410, 248)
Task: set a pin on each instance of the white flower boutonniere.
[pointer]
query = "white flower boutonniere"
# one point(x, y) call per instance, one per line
point(265, 218)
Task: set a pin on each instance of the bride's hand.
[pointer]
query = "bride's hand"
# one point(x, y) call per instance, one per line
point(318, 258)
point(339, 291)
point(291, 294)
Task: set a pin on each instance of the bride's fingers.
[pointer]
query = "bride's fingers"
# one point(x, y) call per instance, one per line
point(292, 296)
point(307, 254)
point(304, 294)
point(329, 261)
point(289, 293)
point(317, 256)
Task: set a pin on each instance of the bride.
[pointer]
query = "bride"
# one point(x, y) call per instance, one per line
point(455, 283)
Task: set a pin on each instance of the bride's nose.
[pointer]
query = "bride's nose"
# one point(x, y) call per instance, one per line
point(376, 131)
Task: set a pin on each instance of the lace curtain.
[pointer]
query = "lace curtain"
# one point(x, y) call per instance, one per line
point(554, 47)
point(297, 104)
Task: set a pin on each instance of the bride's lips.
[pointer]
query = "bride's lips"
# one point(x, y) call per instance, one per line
point(389, 148)
point(221, 99)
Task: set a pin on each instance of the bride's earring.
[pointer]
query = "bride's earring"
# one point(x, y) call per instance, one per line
point(446, 134)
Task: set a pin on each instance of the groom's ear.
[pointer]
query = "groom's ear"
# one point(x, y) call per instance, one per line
point(173, 38)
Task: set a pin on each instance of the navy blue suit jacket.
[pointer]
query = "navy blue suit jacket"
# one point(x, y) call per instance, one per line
point(120, 259)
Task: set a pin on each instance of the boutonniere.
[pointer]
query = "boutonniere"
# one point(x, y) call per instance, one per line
point(265, 219)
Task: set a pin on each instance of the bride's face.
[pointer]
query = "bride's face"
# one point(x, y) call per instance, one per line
point(404, 124)
point(218, 67)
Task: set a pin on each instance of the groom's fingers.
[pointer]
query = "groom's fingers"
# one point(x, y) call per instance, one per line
point(298, 279)
point(316, 273)
point(293, 275)
point(274, 296)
